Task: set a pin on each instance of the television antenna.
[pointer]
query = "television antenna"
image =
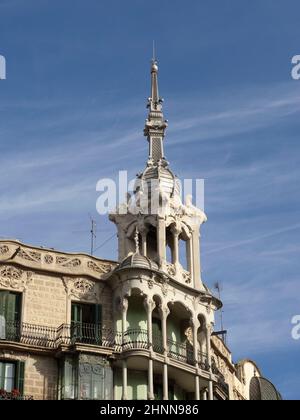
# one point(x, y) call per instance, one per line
point(223, 333)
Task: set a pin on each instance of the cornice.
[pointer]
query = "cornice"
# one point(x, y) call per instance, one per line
point(53, 261)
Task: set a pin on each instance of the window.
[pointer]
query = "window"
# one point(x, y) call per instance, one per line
point(86, 378)
point(69, 374)
point(12, 376)
point(87, 323)
point(10, 315)
point(157, 335)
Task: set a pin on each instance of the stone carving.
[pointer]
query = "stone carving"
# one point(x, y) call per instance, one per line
point(150, 284)
point(186, 277)
point(171, 270)
point(164, 289)
point(10, 277)
point(4, 250)
point(83, 287)
point(67, 262)
point(30, 255)
point(48, 259)
point(189, 335)
point(13, 278)
point(99, 268)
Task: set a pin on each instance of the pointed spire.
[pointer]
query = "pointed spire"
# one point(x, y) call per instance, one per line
point(155, 124)
point(155, 101)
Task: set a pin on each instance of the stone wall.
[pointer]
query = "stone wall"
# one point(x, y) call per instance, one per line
point(41, 374)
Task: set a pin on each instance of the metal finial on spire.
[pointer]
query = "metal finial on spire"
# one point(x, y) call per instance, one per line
point(153, 53)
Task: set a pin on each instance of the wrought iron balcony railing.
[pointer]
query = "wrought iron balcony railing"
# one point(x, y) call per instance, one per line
point(221, 380)
point(182, 352)
point(135, 339)
point(95, 334)
point(203, 361)
point(51, 337)
point(29, 334)
point(82, 333)
point(157, 343)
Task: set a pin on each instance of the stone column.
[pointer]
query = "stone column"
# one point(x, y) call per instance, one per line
point(190, 258)
point(209, 359)
point(150, 380)
point(124, 374)
point(161, 240)
point(144, 234)
point(165, 311)
point(165, 383)
point(176, 232)
point(122, 243)
point(195, 327)
point(124, 309)
point(197, 388)
point(150, 305)
point(196, 258)
point(204, 395)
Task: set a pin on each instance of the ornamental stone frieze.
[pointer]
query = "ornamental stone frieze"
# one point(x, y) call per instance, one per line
point(49, 260)
point(14, 278)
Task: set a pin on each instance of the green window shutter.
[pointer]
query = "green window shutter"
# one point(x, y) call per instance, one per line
point(2, 374)
point(20, 375)
point(3, 303)
point(76, 313)
point(98, 324)
point(98, 314)
point(11, 307)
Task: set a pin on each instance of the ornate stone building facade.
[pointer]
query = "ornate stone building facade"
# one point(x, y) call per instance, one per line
point(73, 326)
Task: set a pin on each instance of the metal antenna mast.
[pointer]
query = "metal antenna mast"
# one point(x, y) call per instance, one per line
point(93, 234)
point(222, 332)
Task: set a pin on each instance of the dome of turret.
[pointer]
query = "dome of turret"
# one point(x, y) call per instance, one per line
point(161, 177)
point(138, 261)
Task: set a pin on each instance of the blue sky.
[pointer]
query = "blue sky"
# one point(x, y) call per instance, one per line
point(72, 111)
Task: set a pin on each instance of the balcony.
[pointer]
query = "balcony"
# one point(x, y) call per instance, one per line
point(181, 352)
point(53, 338)
point(221, 382)
point(203, 362)
point(95, 335)
point(82, 333)
point(135, 339)
point(29, 334)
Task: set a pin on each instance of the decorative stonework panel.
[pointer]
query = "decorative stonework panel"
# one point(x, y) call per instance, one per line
point(68, 262)
point(82, 288)
point(32, 256)
point(4, 250)
point(99, 268)
point(48, 259)
point(14, 278)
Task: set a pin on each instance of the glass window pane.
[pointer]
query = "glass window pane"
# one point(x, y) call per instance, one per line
point(7, 376)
